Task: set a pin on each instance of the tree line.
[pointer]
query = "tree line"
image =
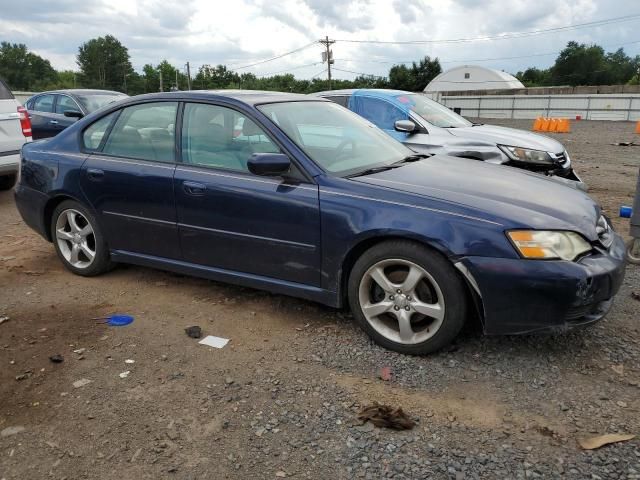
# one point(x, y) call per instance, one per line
point(582, 64)
point(105, 63)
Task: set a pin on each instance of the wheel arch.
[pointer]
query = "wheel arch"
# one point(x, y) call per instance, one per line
point(50, 207)
point(372, 239)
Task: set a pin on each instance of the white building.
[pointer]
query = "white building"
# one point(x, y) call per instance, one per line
point(472, 77)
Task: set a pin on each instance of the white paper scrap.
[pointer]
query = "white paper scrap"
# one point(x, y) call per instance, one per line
point(215, 342)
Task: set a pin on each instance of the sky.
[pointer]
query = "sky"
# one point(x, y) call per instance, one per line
point(238, 33)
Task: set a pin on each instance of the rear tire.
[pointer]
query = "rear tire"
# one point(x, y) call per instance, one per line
point(78, 240)
point(7, 181)
point(407, 298)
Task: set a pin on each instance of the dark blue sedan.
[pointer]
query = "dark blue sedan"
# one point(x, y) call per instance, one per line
point(51, 112)
point(299, 196)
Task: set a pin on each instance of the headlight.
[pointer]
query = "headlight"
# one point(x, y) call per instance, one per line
point(519, 154)
point(548, 245)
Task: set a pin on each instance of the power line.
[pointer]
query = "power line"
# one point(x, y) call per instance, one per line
point(272, 58)
point(357, 73)
point(618, 45)
point(576, 26)
point(319, 73)
point(290, 69)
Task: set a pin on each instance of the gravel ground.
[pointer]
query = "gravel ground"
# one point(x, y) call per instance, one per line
point(281, 399)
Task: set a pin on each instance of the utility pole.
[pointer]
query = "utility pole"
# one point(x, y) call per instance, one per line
point(161, 81)
point(177, 88)
point(327, 56)
point(188, 76)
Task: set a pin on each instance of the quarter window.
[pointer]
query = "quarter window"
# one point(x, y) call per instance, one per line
point(44, 103)
point(220, 137)
point(66, 103)
point(145, 131)
point(94, 134)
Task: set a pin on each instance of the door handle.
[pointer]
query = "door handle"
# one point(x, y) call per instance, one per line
point(194, 188)
point(95, 174)
point(53, 122)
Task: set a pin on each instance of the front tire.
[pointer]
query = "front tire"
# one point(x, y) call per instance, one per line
point(7, 181)
point(78, 240)
point(407, 298)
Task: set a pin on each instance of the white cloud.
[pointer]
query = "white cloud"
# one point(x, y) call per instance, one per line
point(245, 31)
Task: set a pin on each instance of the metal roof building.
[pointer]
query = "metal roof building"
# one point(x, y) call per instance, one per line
point(472, 77)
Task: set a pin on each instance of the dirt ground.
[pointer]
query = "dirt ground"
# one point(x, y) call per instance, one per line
point(280, 399)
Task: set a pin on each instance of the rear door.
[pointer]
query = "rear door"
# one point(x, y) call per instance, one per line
point(11, 137)
point(44, 122)
point(128, 178)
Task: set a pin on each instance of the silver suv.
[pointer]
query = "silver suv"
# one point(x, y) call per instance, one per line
point(15, 130)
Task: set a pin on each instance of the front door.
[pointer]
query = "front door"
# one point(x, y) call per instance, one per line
point(128, 178)
point(233, 220)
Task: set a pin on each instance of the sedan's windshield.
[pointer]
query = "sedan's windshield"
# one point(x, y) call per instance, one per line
point(433, 112)
point(93, 102)
point(338, 140)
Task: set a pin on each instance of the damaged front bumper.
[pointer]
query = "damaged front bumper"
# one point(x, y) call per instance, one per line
point(518, 296)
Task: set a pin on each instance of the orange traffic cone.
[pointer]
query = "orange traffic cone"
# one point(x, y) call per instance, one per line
point(553, 125)
point(544, 125)
point(638, 127)
point(565, 126)
point(537, 124)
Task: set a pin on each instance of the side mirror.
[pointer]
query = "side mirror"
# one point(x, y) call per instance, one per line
point(406, 126)
point(73, 114)
point(269, 164)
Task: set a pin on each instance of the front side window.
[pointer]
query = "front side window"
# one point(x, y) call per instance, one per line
point(66, 103)
point(93, 135)
point(145, 131)
point(44, 103)
point(336, 139)
point(380, 112)
point(220, 137)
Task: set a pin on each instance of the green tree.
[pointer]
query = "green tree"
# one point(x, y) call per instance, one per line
point(401, 78)
point(423, 72)
point(104, 63)
point(534, 77)
point(24, 70)
point(581, 64)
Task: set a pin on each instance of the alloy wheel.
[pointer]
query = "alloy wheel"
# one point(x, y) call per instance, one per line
point(75, 238)
point(401, 301)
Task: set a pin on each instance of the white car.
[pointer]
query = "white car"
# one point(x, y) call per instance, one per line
point(15, 130)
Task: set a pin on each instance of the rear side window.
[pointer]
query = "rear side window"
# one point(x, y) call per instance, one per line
point(43, 103)
point(146, 132)
point(94, 134)
point(339, 99)
point(5, 93)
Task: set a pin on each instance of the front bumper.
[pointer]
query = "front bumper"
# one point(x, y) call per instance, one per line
point(523, 296)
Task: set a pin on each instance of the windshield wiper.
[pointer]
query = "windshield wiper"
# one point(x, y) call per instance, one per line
point(382, 168)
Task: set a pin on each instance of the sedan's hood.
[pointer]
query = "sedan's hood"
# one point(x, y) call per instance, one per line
point(515, 198)
point(508, 136)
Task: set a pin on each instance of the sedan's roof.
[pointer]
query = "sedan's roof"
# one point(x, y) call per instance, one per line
point(378, 91)
point(84, 91)
point(250, 97)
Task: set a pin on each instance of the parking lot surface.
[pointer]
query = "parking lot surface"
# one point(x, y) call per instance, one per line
point(281, 399)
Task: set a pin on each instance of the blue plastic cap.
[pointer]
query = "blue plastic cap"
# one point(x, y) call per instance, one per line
point(119, 320)
point(626, 212)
